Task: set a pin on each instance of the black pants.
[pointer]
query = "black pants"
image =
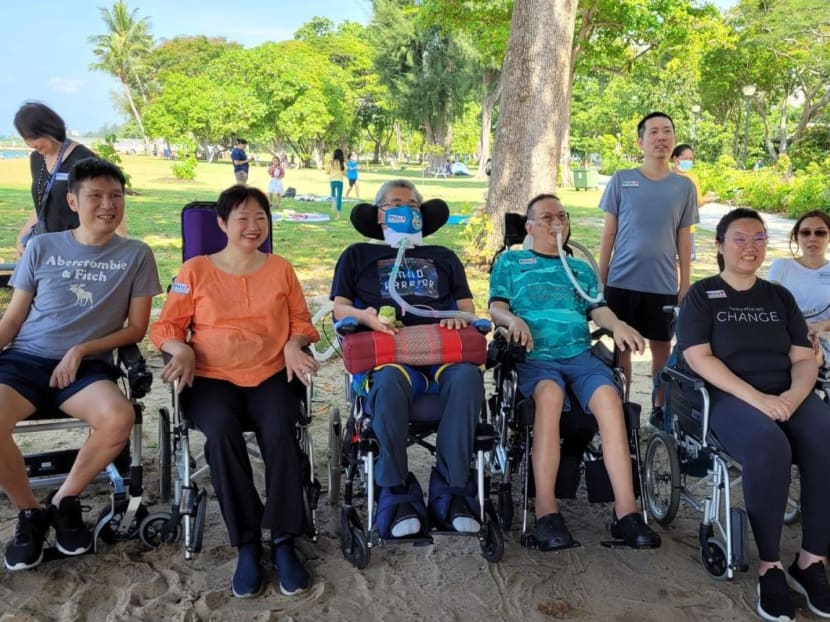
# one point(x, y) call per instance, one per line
point(223, 411)
point(766, 450)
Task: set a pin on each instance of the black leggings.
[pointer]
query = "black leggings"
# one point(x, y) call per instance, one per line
point(223, 411)
point(766, 450)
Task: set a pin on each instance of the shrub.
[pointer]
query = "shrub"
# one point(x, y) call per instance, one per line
point(185, 169)
point(106, 151)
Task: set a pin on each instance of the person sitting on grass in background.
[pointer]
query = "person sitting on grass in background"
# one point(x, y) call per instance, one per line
point(532, 295)
point(78, 294)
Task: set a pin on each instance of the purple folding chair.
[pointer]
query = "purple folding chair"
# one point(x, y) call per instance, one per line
point(201, 234)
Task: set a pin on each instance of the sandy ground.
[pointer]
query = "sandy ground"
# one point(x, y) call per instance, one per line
point(447, 581)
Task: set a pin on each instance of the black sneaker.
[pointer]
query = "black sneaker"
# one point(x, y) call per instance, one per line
point(774, 601)
point(634, 532)
point(812, 584)
point(72, 536)
point(552, 534)
point(25, 550)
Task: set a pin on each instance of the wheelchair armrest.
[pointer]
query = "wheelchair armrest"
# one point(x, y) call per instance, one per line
point(139, 378)
point(688, 381)
point(501, 349)
point(601, 332)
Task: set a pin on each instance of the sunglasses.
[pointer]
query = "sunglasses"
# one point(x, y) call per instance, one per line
point(806, 233)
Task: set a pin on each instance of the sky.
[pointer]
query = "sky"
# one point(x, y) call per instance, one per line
point(46, 52)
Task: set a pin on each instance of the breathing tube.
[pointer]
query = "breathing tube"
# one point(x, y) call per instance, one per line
point(591, 299)
point(417, 311)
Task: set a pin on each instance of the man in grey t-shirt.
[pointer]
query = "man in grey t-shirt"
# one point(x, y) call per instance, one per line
point(649, 212)
point(77, 295)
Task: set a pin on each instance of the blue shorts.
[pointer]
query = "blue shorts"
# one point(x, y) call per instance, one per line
point(583, 373)
point(29, 375)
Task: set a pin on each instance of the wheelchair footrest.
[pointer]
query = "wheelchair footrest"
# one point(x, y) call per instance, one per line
point(51, 553)
point(740, 538)
point(620, 544)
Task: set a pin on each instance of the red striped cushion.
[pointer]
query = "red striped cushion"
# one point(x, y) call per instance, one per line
point(415, 345)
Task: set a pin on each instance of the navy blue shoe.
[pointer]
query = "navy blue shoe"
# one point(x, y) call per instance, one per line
point(293, 577)
point(247, 578)
point(453, 508)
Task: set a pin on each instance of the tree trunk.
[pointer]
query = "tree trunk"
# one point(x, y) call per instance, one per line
point(492, 92)
point(136, 116)
point(535, 104)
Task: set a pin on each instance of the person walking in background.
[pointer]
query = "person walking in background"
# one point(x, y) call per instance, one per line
point(54, 155)
point(335, 171)
point(276, 172)
point(351, 176)
point(683, 159)
point(807, 276)
point(241, 161)
point(648, 213)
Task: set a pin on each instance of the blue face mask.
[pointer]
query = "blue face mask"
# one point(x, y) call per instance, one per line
point(685, 165)
point(403, 221)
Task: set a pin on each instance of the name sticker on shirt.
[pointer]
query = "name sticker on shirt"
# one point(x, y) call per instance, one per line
point(716, 293)
point(632, 183)
point(527, 261)
point(180, 288)
point(61, 176)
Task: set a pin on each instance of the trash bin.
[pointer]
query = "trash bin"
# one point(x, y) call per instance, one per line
point(585, 178)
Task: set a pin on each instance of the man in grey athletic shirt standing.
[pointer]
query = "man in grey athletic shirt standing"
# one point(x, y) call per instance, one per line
point(648, 214)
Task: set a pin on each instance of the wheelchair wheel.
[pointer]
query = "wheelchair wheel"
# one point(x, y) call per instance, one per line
point(199, 520)
point(156, 529)
point(334, 455)
point(713, 558)
point(165, 456)
point(492, 542)
point(662, 478)
point(109, 531)
point(354, 546)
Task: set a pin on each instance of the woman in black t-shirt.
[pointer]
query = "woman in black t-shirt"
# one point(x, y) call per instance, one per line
point(52, 158)
point(747, 339)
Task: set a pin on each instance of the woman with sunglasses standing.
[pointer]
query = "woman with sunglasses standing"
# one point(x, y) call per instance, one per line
point(747, 339)
point(807, 276)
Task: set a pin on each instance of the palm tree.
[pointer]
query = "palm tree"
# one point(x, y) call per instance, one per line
point(122, 53)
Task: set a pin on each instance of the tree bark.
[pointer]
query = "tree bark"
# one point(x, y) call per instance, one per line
point(491, 93)
point(535, 104)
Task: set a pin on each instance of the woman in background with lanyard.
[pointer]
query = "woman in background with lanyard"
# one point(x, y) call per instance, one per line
point(53, 157)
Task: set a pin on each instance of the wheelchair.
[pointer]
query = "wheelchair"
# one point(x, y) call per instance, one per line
point(511, 415)
point(352, 450)
point(684, 459)
point(180, 467)
point(122, 519)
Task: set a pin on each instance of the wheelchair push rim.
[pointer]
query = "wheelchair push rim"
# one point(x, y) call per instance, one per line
point(662, 478)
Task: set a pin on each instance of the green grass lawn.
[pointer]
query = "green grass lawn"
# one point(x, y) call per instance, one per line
point(153, 215)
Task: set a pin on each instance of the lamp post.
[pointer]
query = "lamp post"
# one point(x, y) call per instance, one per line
point(695, 118)
point(748, 91)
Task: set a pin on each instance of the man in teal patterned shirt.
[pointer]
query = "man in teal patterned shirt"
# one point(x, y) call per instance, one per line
point(534, 297)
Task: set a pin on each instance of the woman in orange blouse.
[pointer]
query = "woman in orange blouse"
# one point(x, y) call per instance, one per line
point(235, 323)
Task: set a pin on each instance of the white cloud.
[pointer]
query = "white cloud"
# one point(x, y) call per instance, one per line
point(66, 85)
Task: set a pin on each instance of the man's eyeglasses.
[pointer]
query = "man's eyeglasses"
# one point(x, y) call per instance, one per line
point(806, 233)
point(548, 219)
point(757, 240)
